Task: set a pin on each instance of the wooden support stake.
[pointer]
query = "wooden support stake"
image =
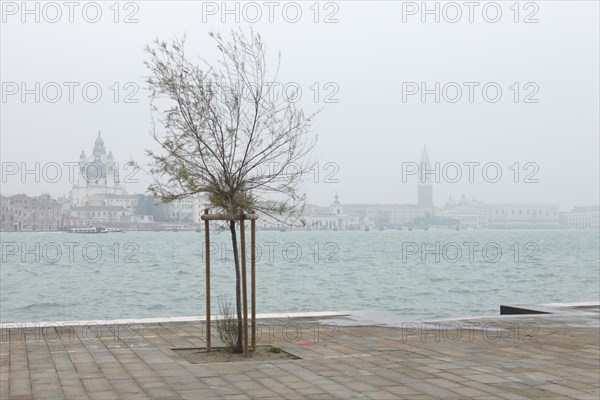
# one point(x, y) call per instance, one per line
point(253, 280)
point(207, 255)
point(244, 287)
point(241, 217)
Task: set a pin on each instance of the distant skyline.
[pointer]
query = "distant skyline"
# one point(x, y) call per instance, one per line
point(375, 77)
point(438, 174)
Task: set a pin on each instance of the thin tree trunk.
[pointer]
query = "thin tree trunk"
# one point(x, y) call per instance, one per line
point(238, 288)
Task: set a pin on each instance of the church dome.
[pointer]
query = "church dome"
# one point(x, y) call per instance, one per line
point(94, 171)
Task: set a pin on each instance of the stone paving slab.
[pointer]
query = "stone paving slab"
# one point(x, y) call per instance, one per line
point(536, 356)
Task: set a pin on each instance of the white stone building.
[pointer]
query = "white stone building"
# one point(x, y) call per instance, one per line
point(470, 213)
point(523, 216)
point(98, 177)
point(581, 218)
point(98, 196)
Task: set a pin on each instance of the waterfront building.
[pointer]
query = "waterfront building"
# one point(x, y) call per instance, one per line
point(332, 217)
point(523, 216)
point(471, 214)
point(98, 177)
point(99, 196)
point(475, 214)
point(23, 213)
point(94, 215)
point(581, 218)
point(188, 209)
point(384, 215)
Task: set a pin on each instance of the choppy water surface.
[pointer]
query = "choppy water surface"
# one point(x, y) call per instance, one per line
point(418, 274)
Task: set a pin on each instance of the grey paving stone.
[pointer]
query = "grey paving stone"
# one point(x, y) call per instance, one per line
point(370, 362)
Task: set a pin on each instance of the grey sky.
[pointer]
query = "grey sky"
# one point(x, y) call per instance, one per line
point(366, 56)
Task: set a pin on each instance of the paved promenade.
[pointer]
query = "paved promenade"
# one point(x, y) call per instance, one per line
point(528, 356)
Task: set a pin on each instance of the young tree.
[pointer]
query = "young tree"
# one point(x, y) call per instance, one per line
point(227, 135)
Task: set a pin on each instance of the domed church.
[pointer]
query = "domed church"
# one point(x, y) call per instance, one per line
point(98, 178)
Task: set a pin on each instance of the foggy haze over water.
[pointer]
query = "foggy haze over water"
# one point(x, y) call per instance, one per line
point(515, 87)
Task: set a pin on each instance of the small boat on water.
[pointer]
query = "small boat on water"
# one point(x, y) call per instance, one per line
point(95, 229)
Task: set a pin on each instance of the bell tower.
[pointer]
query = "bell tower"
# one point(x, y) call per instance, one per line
point(424, 188)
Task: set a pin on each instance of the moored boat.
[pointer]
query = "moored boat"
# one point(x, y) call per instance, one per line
point(95, 229)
